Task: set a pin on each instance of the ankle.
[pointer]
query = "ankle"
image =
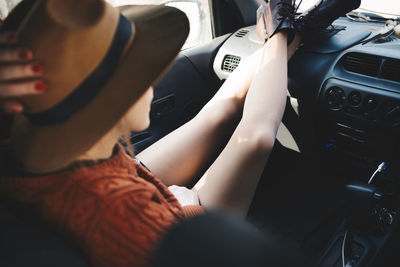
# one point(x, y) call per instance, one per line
point(279, 17)
point(280, 36)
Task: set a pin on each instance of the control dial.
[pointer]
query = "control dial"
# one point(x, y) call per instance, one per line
point(391, 113)
point(370, 103)
point(335, 98)
point(355, 98)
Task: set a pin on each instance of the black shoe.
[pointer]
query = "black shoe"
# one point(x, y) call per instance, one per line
point(279, 16)
point(321, 15)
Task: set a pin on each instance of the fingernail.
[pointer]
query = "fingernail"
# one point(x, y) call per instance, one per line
point(17, 109)
point(38, 68)
point(25, 54)
point(40, 86)
point(12, 109)
point(12, 37)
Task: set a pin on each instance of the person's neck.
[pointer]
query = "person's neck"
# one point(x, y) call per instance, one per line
point(103, 149)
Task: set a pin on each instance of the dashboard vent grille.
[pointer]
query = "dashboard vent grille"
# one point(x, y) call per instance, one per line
point(391, 70)
point(230, 63)
point(242, 33)
point(362, 63)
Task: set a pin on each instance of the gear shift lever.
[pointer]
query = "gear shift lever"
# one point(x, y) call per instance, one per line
point(363, 212)
point(362, 199)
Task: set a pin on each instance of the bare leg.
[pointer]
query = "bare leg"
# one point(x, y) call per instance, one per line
point(238, 83)
point(231, 180)
point(172, 158)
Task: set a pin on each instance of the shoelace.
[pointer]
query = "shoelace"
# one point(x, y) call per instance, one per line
point(300, 21)
point(288, 11)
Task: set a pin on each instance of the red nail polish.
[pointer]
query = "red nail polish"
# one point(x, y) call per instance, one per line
point(25, 54)
point(17, 110)
point(12, 109)
point(38, 68)
point(40, 86)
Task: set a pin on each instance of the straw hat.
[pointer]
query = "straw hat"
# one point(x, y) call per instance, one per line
point(98, 63)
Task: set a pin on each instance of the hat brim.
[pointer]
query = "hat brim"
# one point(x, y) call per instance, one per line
point(160, 32)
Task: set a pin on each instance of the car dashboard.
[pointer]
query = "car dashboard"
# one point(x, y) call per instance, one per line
point(351, 90)
point(348, 92)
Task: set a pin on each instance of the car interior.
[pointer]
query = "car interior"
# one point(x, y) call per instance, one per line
point(330, 186)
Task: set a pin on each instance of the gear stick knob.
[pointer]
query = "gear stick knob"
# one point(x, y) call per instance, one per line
point(362, 199)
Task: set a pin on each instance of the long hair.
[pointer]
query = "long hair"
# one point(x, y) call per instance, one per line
point(125, 140)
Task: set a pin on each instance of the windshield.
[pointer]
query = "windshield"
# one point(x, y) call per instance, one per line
point(385, 8)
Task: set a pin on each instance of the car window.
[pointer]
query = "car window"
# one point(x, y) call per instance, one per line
point(6, 6)
point(386, 8)
point(198, 12)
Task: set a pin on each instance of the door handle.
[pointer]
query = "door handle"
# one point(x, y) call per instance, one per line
point(163, 106)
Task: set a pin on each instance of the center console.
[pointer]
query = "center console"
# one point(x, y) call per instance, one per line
point(358, 127)
point(359, 104)
point(371, 222)
point(349, 95)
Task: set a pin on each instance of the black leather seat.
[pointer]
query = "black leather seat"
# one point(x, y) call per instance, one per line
point(30, 244)
point(208, 240)
point(216, 240)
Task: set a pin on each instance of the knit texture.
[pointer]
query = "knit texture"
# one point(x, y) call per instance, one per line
point(116, 212)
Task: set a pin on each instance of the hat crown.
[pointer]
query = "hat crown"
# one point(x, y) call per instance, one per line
point(72, 54)
point(75, 13)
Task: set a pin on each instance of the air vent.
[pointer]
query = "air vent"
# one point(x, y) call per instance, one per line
point(241, 33)
point(391, 70)
point(230, 63)
point(362, 63)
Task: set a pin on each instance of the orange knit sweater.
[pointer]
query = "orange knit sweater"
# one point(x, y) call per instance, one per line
point(116, 211)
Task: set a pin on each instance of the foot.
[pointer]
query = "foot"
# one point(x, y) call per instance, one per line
point(322, 15)
point(277, 16)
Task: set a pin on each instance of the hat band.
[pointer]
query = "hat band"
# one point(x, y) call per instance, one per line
point(92, 85)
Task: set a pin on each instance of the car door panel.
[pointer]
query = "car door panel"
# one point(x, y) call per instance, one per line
point(181, 93)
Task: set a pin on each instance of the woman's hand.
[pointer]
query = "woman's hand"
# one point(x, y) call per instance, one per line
point(20, 74)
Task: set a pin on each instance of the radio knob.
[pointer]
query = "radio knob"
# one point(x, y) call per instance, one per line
point(335, 98)
point(370, 103)
point(355, 98)
point(391, 114)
